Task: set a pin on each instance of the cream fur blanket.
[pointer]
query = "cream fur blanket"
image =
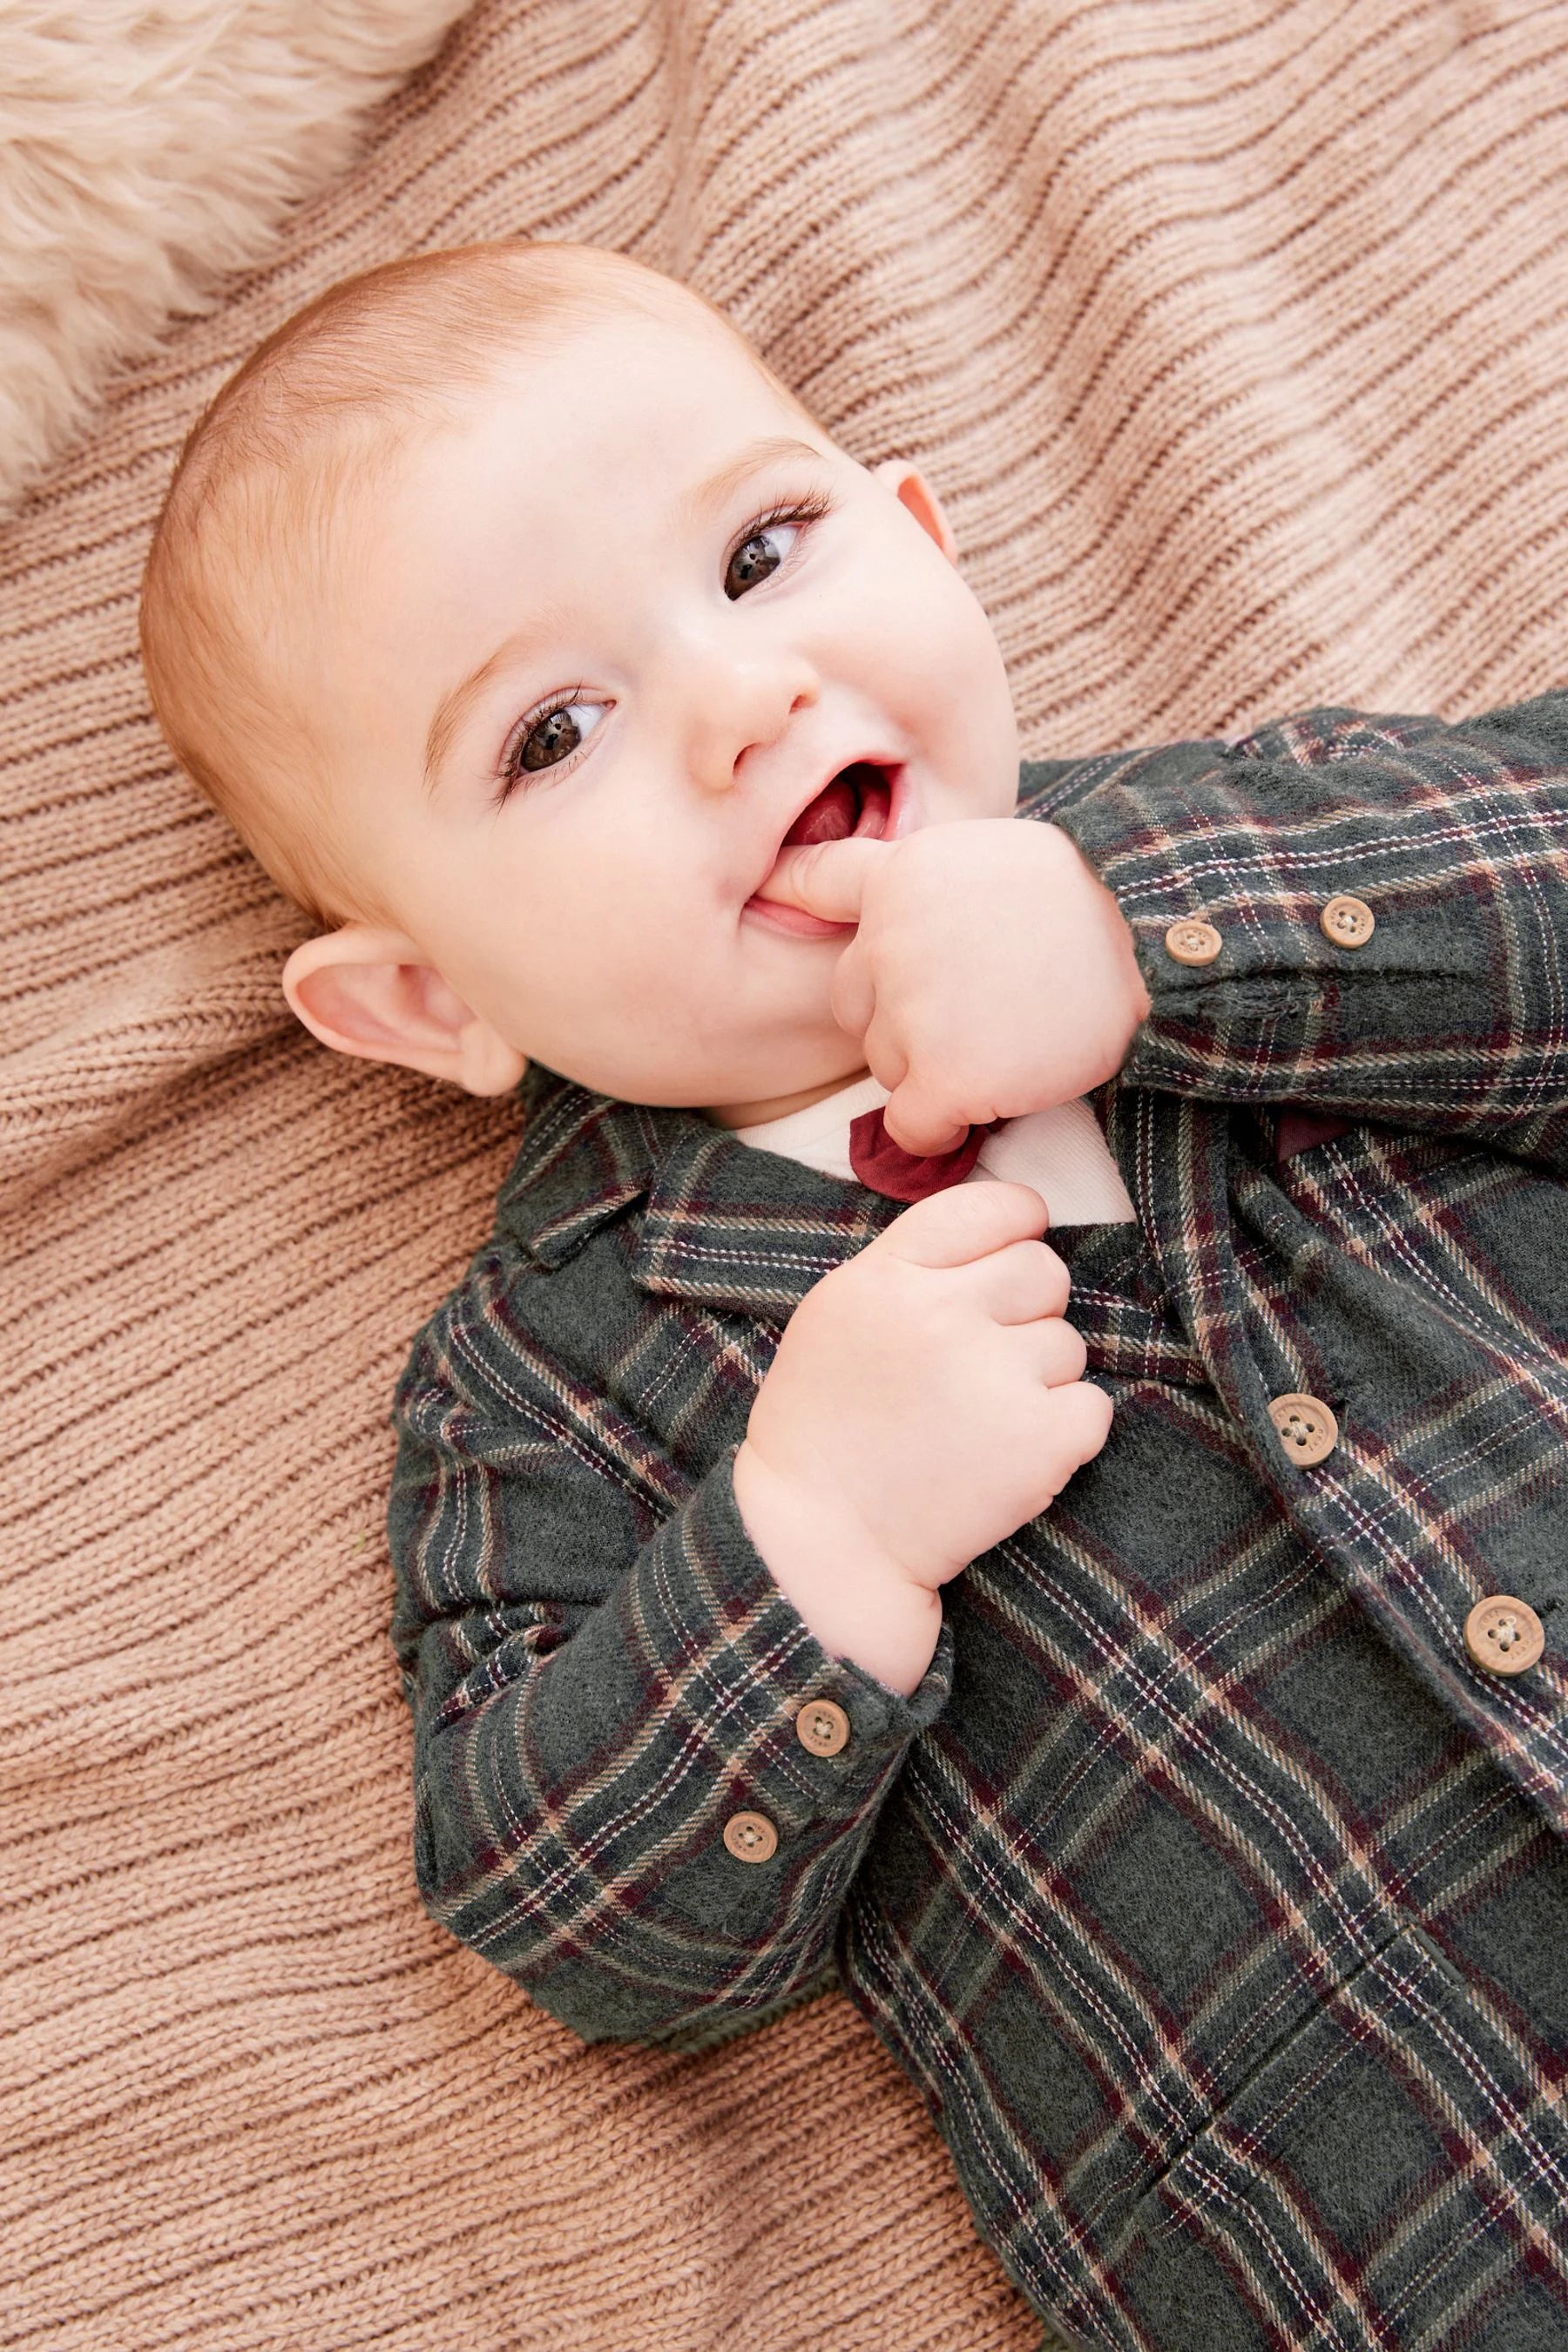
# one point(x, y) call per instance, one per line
point(1235, 332)
point(143, 150)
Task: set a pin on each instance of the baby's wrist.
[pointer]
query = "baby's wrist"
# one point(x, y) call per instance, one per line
point(858, 1600)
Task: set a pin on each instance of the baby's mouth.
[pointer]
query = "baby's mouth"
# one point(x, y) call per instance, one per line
point(855, 804)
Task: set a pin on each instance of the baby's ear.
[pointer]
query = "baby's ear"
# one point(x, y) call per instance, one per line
point(913, 491)
point(369, 992)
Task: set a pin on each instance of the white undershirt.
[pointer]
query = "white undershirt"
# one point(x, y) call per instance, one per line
point(1060, 1152)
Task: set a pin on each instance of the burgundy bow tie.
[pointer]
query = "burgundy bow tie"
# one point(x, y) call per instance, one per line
point(903, 1175)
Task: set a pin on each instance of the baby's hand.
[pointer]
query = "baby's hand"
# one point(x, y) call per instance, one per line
point(991, 972)
point(926, 1400)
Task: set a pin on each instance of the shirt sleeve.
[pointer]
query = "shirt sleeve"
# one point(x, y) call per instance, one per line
point(1438, 1001)
point(618, 1799)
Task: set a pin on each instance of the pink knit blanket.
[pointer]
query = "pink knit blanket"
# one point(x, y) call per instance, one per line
point(1235, 334)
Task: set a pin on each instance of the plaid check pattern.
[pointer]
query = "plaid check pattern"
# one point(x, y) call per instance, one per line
point(1214, 1900)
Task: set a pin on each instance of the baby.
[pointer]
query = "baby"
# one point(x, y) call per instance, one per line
point(1183, 1811)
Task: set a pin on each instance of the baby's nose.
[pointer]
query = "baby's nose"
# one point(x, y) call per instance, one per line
point(743, 706)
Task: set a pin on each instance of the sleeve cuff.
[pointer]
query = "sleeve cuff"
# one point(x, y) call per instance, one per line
point(1285, 918)
point(658, 1827)
point(694, 1674)
point(717, 1596)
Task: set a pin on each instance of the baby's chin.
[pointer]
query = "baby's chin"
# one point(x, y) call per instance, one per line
point(761, 1030)
point(777, 1094)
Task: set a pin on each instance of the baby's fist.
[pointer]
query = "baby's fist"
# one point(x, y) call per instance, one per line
point(927, 1397)
point(990, 974)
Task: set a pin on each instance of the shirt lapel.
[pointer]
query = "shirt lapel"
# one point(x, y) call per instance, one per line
point(745, 1230)
point(742, 1228)
point(719, 1221)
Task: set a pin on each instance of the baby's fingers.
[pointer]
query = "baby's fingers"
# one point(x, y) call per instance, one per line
point(963, 1222)
point(1053, 1350)
point(826, 877)
point(1081, 1414)
point(1022, 1284)
point(917, 1118)
point(853, 999)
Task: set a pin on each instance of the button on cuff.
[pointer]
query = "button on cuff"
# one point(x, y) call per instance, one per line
point(1504, 1637)
point(1348, 922)
point(751, 1837)
point(822, 1727)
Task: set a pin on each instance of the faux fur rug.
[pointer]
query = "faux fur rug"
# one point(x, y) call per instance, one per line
point(144, 150)
point(1236, 333)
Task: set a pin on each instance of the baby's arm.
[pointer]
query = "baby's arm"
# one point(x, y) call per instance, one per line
point(616, 1706)
point(1179, 916)
point(606, 1680)
point(1451, 1014)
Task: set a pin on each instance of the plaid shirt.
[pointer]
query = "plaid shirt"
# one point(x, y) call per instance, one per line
point(1214, 1899)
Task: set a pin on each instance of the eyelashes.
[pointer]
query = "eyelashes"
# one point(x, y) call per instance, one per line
point(516, 769)
point(802, 510)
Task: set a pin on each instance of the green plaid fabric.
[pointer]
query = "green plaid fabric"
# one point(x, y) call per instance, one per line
point(1214, 1900)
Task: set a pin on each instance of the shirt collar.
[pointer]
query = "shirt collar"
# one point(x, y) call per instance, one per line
point(723, 1221)
point(738, 1229)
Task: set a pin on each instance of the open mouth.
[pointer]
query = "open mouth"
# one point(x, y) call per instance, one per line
point(853, 804)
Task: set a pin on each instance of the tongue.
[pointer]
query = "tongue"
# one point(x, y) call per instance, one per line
point(831, 816)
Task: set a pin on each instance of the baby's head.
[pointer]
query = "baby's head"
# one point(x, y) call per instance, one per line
point(513, 612)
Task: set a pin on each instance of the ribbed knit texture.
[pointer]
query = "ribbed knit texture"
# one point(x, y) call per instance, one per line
point(1236, 338)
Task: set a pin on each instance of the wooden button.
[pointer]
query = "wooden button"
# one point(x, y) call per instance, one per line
point(1193, 942)
point(822, 1727)
point(1308, 1430)
point(1504, 1635)
point(751, 1837)
point(1349, 922)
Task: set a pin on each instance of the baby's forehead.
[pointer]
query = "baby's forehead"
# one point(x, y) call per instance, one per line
point(388, 509)
point(612, 384)
point(579, 435)
point(307, 449)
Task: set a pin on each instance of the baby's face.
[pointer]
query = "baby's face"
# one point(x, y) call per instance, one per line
point(590, 656)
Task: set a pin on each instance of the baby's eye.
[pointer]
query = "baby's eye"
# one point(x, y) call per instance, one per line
point(556, 734)
point(757, 556)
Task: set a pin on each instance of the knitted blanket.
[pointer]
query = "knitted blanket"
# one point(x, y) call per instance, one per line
point(1234, 333)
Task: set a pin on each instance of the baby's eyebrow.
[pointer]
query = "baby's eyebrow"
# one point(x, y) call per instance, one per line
point(716, 491)
point(453, 708)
